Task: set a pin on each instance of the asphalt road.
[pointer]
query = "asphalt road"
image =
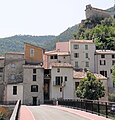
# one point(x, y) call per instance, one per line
point(49, 113)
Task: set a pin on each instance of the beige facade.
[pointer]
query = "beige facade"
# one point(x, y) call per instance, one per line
point(14, 92)
point(13, 70)
point(82, 54)
point(104, 60)
point(61, 81)
point(33, 77)
point(56, 57)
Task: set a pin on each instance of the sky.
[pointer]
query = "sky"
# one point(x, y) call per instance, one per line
point(43, 17)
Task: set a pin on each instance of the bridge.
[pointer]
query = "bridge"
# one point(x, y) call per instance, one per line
point(65, 109)
point(51, 112)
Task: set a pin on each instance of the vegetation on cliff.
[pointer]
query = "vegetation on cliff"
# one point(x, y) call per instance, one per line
point(99, 29)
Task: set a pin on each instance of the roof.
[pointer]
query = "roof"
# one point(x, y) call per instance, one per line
point(81, 75)
point(105, 52)
point(82, 41)
point(56, 52)
point(33, 45)
point(32, 66)
point(15, 53)
point(2, 58)
point(62, 65)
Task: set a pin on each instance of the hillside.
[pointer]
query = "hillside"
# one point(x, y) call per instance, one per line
point(15, 43)
point(111, 10)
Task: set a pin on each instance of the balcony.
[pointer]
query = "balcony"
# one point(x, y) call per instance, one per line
point(47, 76)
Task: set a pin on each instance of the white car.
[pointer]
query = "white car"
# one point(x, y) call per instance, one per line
point(113, 107)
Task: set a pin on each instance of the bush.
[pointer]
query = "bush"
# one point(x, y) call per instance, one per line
point(1, 116)
point(112, 97)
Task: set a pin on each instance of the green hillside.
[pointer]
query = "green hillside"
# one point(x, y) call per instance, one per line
point(16, 43)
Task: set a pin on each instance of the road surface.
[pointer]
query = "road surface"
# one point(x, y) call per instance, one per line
point(46, 112)
point(51, 113)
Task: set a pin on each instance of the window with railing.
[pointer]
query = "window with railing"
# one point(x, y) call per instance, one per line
point(58, 80)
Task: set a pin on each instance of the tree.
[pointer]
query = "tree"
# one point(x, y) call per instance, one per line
point(113, 75)
point(90, 88)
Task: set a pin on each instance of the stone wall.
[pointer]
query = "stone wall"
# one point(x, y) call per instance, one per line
point(95, 12)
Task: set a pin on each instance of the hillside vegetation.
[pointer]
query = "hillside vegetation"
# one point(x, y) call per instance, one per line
point(99, 29)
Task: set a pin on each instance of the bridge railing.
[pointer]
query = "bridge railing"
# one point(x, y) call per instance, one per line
point(15, 113)
point(102, 108)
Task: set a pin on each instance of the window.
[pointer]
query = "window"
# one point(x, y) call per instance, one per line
point(12, 65)
point(60, 89)
point(65, 78)
point(12, 77)
point(58, 69)
point(1, 69)
point(87, 64)
point(86, 55)
point(110, 70)
point(113, 62)
point(34, 70)
point(86, 47)
point(104, 73)
point(58, 80)
point(102, 62)
point(31, 52)
point(53, 57)
point(76, 64)
point(76, 46)
point(102, 56)
point(14, 90)
point(34, 77)
point(76, 85)
point(76, 55)
point(34, 88)
point(113, 56)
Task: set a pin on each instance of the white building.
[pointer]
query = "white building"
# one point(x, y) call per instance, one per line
point(61, 85)
point(82, 54)
point(104, 60)
point(14, 92)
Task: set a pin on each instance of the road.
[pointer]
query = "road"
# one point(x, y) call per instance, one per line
point(46, 112)
point(51, 113)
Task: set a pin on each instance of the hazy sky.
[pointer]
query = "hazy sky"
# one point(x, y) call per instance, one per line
point(43, 17)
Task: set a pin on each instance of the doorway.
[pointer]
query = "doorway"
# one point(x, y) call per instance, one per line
point(34, 100)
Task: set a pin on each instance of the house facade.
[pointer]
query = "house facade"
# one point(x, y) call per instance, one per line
point(36, 75)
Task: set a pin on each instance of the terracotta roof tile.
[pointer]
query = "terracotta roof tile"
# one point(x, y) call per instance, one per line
point(82, 41)
point(81, 75)
point(66, 65)
point(105, 52)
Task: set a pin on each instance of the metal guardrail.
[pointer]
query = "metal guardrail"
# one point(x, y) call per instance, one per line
point(106, 109)
point(15, 113)
point(8, 102)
